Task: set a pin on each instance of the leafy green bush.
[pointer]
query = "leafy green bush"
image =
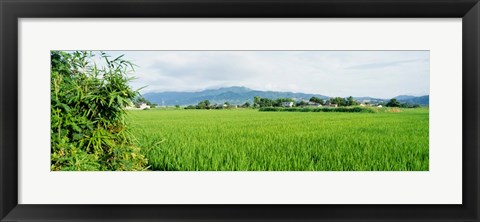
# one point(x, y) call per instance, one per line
point(88, 127)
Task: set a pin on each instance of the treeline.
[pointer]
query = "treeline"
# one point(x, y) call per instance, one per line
point(266, 102)
point(349, 101)
point(205, 104)
point(259, 102)
point(355, 109)
point(339, 101)
point(396, 103)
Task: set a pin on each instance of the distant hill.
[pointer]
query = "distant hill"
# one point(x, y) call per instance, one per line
point(233, 95)
point(239, 95)
point(420, 100)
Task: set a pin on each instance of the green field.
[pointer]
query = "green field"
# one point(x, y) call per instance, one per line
point(249, 140)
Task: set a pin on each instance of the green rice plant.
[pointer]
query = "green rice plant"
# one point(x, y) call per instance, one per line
point(249, 140)
point(88, 127)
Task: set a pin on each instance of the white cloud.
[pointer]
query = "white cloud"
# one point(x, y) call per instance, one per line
point(381, 74)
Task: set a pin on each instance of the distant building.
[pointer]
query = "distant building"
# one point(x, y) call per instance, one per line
point(333, 105)
point(143, 106)
point(379, 106)
point(287, 104)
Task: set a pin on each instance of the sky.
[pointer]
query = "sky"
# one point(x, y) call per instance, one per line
point(379, 74)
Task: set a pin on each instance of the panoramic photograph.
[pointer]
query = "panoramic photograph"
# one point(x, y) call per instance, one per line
point(239, 110)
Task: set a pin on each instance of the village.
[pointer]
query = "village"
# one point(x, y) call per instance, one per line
point(305, 103)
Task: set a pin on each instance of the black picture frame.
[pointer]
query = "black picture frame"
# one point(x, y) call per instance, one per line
point(12, 10)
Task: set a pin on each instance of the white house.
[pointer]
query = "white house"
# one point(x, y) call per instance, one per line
point(314, 104)
point(287, 104)
point(143, 106)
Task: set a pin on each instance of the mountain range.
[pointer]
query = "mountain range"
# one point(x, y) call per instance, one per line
point(240, 95)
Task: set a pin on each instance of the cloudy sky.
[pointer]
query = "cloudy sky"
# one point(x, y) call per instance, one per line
point(381, 74)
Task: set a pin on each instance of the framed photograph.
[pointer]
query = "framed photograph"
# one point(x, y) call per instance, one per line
point(239, 110)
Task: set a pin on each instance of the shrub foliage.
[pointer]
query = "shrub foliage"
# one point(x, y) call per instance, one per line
point(88, 127)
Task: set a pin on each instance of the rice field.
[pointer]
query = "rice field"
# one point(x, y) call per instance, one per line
point(249, 140)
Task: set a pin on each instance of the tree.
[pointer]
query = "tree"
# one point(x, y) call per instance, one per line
point(205, 104)
point(301, 103)
point(266, 102)
point(339, 101)
point(177, 106)
point(246, 105)
point(351, 101)
point(201, 106)
point(393, 103)
point(256, 101)
point(317, 100)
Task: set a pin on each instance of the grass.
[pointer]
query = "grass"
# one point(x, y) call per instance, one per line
point(249, 140)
